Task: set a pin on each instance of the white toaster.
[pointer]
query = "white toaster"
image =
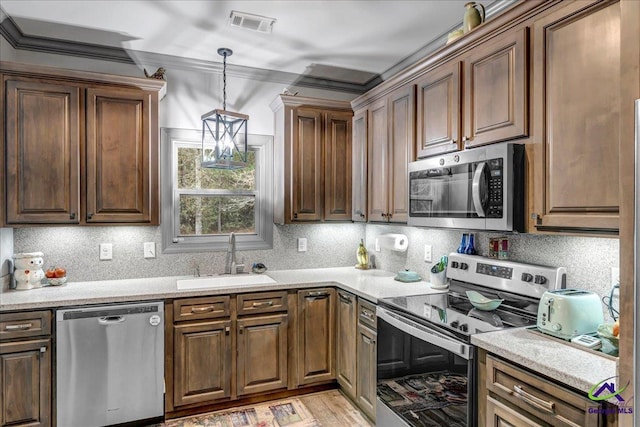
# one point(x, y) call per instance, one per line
point(567, 313)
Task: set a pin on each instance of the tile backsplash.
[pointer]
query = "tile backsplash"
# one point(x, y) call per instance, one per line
point(6, 251)
point(76, 248)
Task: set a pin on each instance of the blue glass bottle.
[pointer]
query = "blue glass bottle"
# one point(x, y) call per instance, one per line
point(463, 244)
point(470, 249)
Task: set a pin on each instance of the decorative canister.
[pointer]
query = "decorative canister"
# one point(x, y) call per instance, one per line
point(28, 272)
point(472, 17)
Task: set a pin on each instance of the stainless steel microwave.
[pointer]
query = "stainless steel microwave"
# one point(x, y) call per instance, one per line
point(478, 189)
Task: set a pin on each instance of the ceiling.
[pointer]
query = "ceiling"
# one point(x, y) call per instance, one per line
point(350, 41)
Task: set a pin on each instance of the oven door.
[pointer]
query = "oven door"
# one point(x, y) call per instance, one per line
point(425, 377)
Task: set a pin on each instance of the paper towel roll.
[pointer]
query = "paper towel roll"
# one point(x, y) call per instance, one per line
point(396, 242)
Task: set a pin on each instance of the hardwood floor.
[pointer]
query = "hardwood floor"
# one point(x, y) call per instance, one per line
point(332, 409)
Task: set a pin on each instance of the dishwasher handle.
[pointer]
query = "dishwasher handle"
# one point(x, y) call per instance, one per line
point(111, 320)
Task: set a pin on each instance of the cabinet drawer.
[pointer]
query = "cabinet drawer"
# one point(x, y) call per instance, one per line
point(262, 302)
point(545, 400)
point(367, 313)
point(25, 324)
point(200, 308)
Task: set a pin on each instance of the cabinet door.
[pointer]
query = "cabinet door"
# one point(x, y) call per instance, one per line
point(378, 162)
point(121, 162)
point(316, 336)
point(262, 354)
point(495, 92)
point(306, 203)
point(42, 152)
point(359, 181)
point(337, 166)
point(25, 383)
point(439, 110)
point(367, 371)
point(347, 317)
point(500, 415)
point(577, 118)
point(400, 151)
point(201, 362)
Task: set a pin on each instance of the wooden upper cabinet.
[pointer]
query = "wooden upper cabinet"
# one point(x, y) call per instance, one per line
point(81, 147)
point(496, 88)
point(359, 180)
point(439, 110)
point(121, 185)
point(337, 166)
point(390, 149)
point(577, 118)
point(312, 160)
point(307, 165)
point(42, 152)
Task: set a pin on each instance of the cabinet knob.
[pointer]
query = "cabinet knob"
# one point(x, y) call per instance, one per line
point(295, 214)
point(226, 330)
point(90, 215)
point(72, 215)
point(536, 218)
point(465, 140)
point(361, 215)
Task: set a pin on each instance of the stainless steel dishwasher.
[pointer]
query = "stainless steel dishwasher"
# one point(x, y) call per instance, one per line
point(110, 364)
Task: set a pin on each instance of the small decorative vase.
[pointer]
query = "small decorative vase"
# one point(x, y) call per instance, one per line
point(362, 256)
point(472, 17)
point(28, 272)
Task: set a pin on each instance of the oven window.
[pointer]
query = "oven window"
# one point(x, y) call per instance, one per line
point(422, 383)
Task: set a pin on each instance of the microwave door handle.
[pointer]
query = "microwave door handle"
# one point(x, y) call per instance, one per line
point(476, 187)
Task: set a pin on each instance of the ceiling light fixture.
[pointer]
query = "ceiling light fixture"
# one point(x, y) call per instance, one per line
point(224, 133)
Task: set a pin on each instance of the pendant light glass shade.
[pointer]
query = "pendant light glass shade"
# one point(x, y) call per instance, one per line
point(224, 133)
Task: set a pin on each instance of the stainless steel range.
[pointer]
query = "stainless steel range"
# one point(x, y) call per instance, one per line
point(426, 366)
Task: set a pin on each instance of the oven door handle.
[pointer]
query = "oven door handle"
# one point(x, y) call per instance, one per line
point(425, 333)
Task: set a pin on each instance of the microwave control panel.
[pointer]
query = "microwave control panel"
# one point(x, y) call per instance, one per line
point(496, 186)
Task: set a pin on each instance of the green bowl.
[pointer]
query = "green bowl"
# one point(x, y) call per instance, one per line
point(483, 303)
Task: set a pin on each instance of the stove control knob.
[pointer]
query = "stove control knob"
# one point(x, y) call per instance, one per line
point(464, 327)
point(454, 324)
point(464, 266)
point(539, 280)
point(455, 264)
point(526, 277)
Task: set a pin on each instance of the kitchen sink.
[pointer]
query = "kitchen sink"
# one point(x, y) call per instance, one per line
point(225, 280)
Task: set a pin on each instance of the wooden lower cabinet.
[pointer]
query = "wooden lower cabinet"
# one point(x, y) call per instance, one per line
point(202, 362)
point(366, 385)
point(25, 369)
point(501, 415)
point(347, 327)
point(316, 336)
point(262, 354)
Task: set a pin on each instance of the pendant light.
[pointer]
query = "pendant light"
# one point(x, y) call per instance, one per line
point(224, 133)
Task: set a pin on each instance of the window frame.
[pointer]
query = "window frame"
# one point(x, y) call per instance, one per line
point(171, 139)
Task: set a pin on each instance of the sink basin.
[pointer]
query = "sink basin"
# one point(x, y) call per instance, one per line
point(226, 280)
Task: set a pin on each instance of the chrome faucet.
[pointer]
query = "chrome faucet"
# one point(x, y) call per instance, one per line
point(230, 262)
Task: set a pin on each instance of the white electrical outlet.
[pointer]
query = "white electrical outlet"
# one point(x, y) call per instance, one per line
point(427, 253)
point(149, 249)
point(615, 276)
point(302, 244)
point(106, 251)
point(377, 246)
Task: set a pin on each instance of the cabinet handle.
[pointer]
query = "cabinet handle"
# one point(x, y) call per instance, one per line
point(318, 294)
point(89, 215)
point(20, 327)
point(368, 340)
point(536, 218)
point(72, 215)
point(240, 330)
point(227, 330)
point(466, 139)
point(262, 304)
point(201, 309)
point(532, 400)
point(345, 298)
point(366, 314)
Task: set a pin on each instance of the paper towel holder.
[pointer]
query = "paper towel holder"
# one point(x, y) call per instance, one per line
point(394, 241)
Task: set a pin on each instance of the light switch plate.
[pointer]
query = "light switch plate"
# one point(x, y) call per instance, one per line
point(377, 245)
point(302, 244)
point(427, 253)
point(106, 251)
point(149, 249)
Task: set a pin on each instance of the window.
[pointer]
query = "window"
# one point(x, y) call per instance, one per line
point(200, 206)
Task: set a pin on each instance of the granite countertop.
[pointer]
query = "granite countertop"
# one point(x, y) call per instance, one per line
point(575, 367)
point(368, 284)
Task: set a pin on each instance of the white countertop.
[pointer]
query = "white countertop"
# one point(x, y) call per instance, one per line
point(369, 284)
point(575, 367)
